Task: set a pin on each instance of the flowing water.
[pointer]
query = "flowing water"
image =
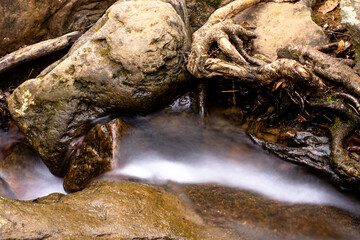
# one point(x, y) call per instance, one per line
point(177, 148)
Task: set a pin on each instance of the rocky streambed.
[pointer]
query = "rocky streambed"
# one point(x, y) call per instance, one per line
point(176, 179)
point(170, 174)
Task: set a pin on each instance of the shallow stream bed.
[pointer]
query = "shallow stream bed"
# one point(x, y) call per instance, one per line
point(229, 181)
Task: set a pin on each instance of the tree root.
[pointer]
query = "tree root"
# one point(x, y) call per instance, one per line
point(37, 50)
point(305, 66)
point(302, 156)
point(347, 168)
point(323, 65)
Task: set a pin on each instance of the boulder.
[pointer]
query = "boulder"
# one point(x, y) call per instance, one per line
point(129, 62)
point(280, 24)
point(95, 155)
point(125, 210)
point(117, 210)
point(28, 22)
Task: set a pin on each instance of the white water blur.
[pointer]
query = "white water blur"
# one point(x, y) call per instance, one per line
point(178, 149)
point(182, 151)
point(31, 180)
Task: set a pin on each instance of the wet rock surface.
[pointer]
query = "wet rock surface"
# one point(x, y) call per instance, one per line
point(256, 217)
point(113, 209)
point(117, 210)
point(280, 24)
point(96, 154)
point(102, 74)
point(28, 22)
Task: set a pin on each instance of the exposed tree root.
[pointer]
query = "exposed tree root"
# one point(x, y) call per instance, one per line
point(347, 168)
point(302, 156)
point(37, 50)
point(305, 66)
point(323, 65)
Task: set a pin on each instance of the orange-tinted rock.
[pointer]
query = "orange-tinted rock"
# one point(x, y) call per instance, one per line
point(95, 155)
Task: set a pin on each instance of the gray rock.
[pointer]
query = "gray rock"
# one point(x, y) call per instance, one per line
point(280, 24)
point(350, 13)
point(129, 62)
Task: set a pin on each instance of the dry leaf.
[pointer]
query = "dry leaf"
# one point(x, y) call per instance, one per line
point(328, 6)
point(270, 110)
point(301, 118)
point(277, 84)
point(341, 47)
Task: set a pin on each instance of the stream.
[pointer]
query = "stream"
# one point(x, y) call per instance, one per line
point(179, 149)
point(175, 148)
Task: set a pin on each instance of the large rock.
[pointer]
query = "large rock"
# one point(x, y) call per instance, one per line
point(129, 62)
point(27, 22)
point(124, 210)
point(117, 210)
point(280, 24)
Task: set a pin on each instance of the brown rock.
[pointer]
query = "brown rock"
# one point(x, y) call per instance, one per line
point(95, 155)
point(25, 176)
point(18, 169)
point(117, 210)
point(28, 22)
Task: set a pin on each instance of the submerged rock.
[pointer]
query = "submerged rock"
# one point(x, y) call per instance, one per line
point(257, 217)
point(18, 169)
point(95, 155)
point(280, 24)
point(104, 72)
